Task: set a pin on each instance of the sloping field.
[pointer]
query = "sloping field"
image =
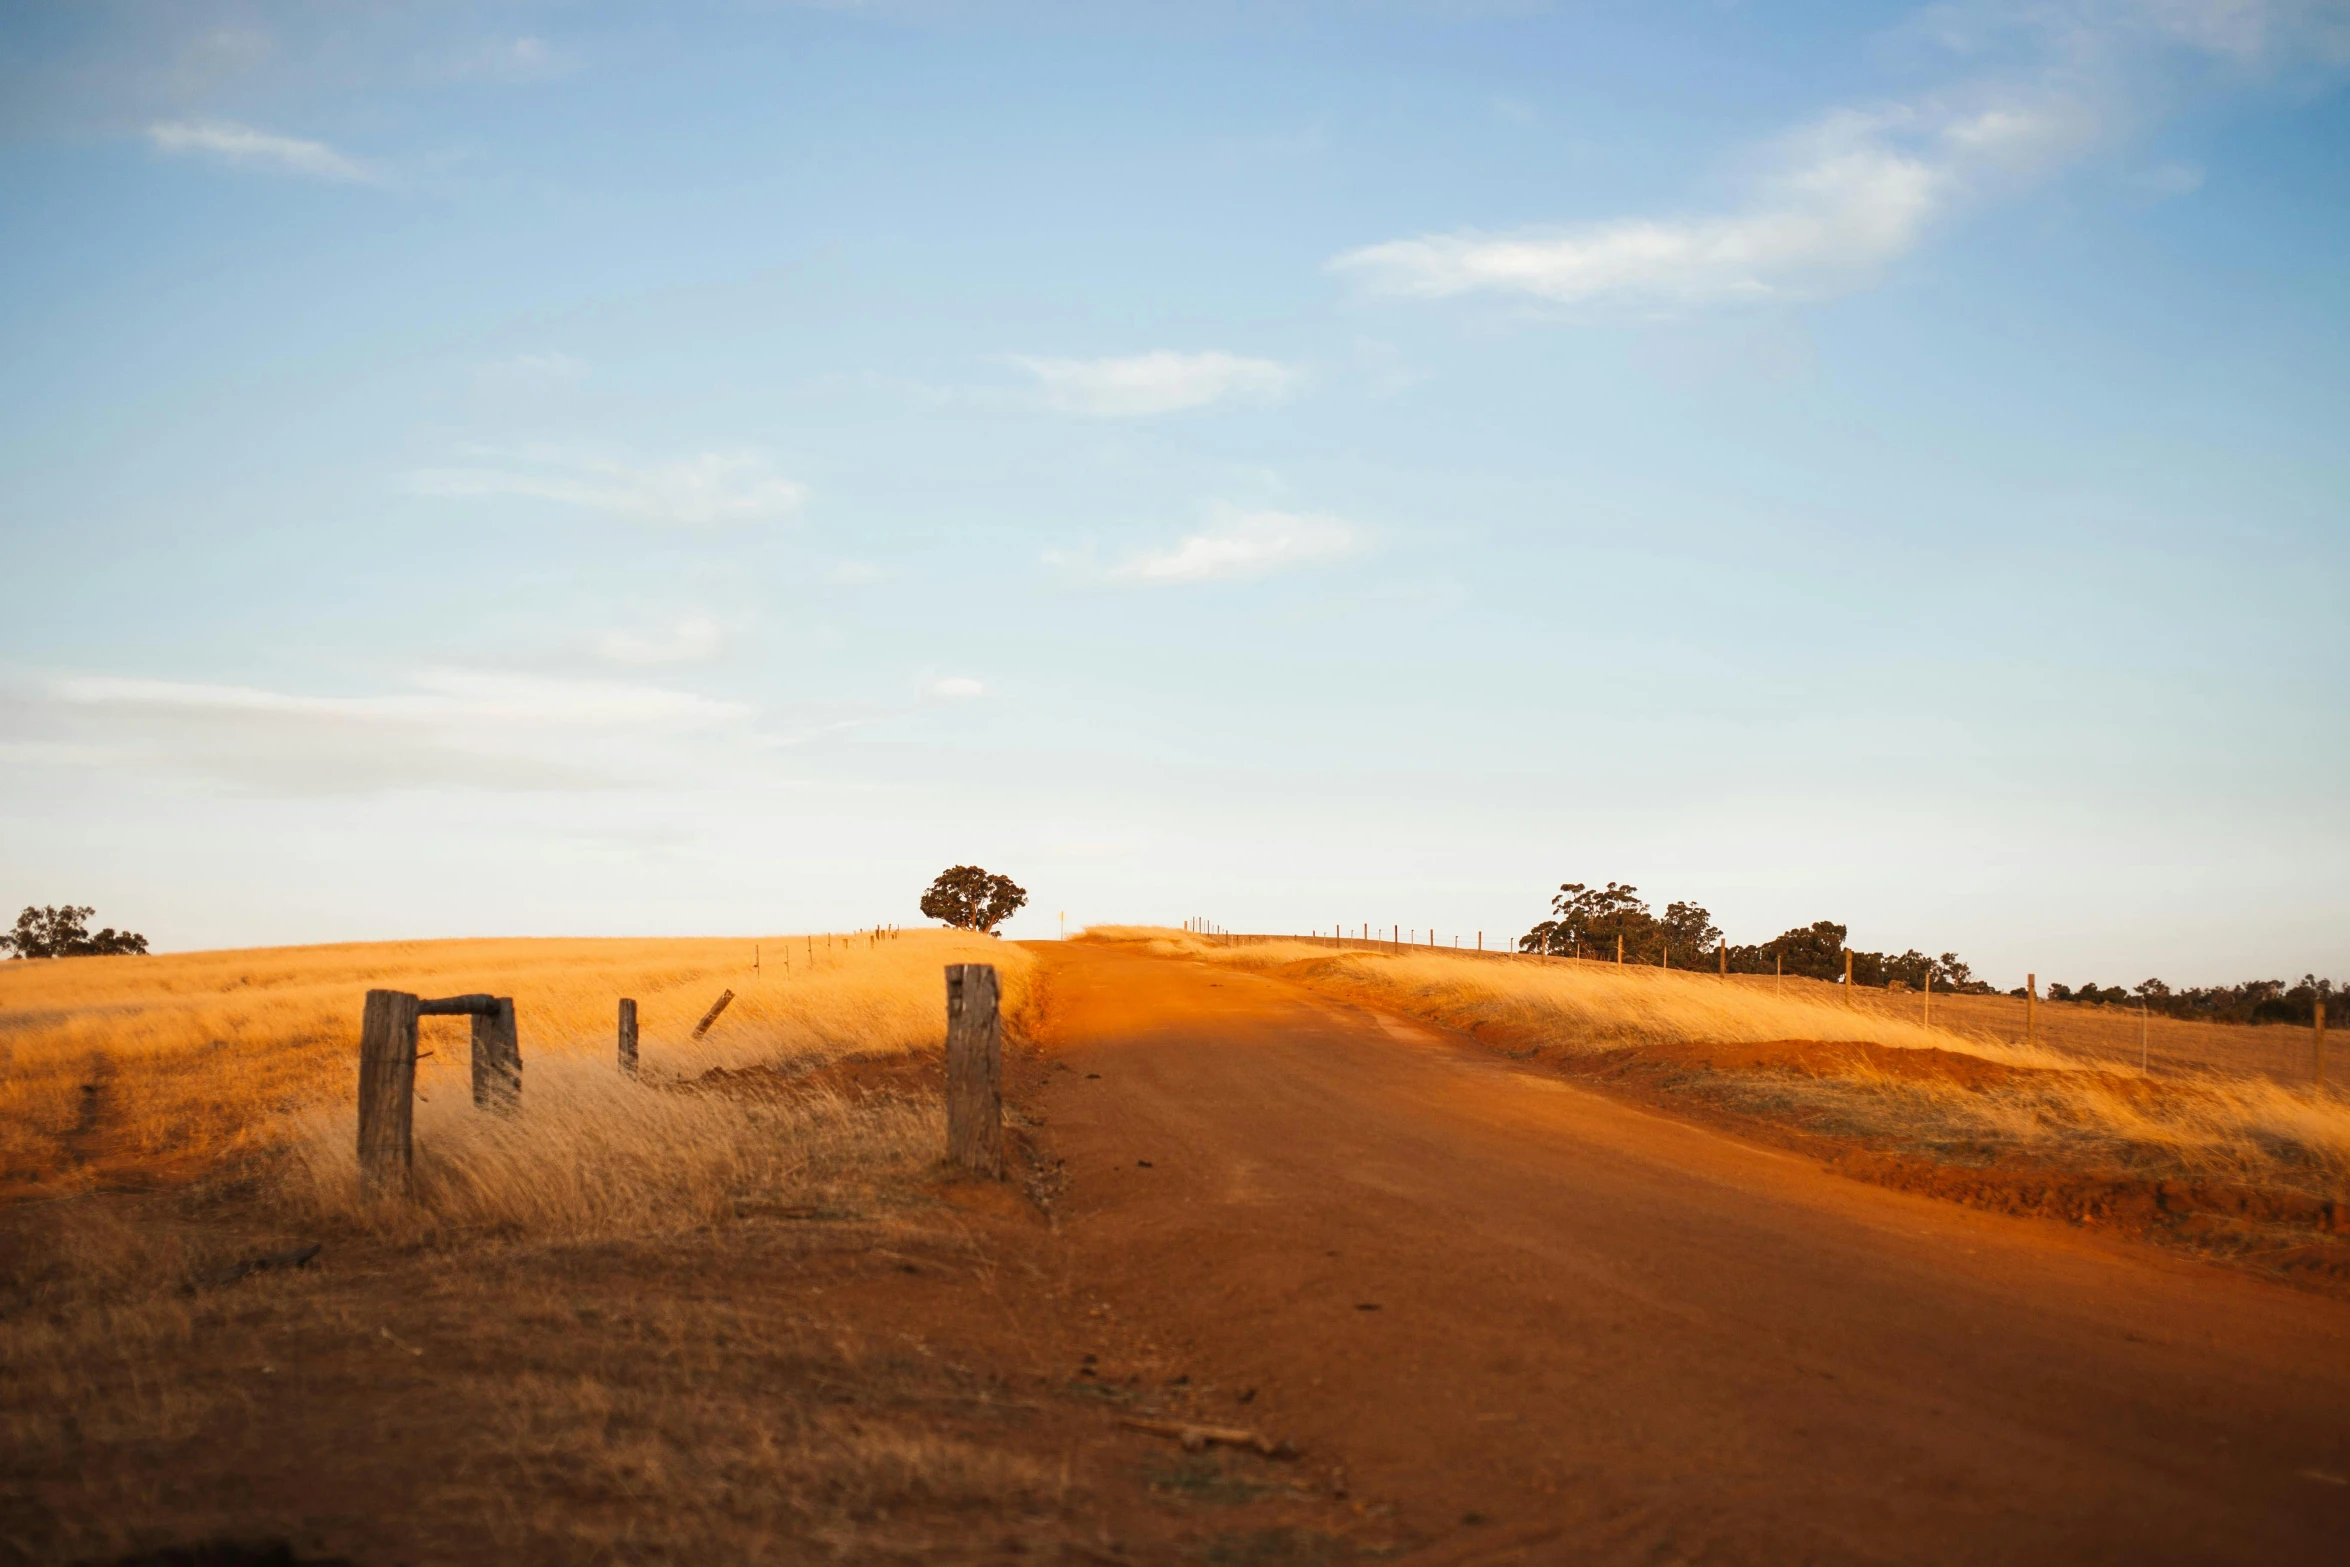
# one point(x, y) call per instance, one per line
point(145, 1070)
point(2258, 1164)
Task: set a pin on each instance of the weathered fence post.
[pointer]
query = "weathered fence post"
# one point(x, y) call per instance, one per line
point(2031, 1009)
point(497, 1053)
point(2318, 1057)
point(1848, 976)
point(627, 1037)
point(497, 1057)
point(711, 1016)
point(387, 1093)
point(975, 1071)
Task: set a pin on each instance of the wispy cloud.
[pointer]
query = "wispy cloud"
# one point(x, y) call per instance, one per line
point(692, 639)
point(1856, 189)
point(700, 491)
point(1240, 543)
point(1846, 195)
point(1155, 383)
point(246, 147)
point(445, 728)
point(957, 688)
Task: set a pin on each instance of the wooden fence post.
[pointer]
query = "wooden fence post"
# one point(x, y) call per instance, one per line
point(1725, 954)
point(711, 1016)
point(1619, 948)
point(1848, 976)
point(2031, 1009)
point(387, 1094)
point(497, 1058)
point(2318, 1056)
point(1929, 998)
point(975, 1070)
point(627, 1037)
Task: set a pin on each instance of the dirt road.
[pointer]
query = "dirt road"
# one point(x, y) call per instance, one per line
point(1546, 1326)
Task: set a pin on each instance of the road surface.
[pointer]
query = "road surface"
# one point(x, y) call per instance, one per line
point(1547, 1326)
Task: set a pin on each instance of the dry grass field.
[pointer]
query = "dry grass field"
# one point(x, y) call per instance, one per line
point(718, 1311)
point(1960, 1092)
point(144, 1071)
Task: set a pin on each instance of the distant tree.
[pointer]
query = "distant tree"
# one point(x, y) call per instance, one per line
point(1688, 934)
point(969, 898)
point(64, 932)
point(1816, 951)
point(1589, 920)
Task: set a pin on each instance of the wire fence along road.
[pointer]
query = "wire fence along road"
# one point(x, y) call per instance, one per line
point(2121, 1035)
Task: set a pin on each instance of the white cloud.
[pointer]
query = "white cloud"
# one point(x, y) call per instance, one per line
point(446, 728)
point(1845, 196)
point(1240, 543)
point(1155, 383)
point(244, 146)
point(957, 688)
point(712, 488)
point(694, 639)
point(1857, 189)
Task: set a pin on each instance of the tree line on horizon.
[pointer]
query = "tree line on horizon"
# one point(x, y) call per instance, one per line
point(1588, 922)
point(63, 931)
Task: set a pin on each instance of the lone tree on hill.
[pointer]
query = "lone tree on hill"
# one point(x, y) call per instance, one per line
point(64, 932)
point(969, 898)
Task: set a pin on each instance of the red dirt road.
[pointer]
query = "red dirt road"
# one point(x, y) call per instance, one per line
point(1603, 1335)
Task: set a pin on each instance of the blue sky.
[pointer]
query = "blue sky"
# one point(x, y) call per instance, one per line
point(557, 468)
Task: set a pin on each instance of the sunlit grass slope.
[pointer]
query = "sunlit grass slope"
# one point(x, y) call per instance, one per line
point(2244, 1128)
point(140, 1069)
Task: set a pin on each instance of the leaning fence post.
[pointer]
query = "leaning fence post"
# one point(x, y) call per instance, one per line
point(975, 1070)
point(711, 1016)
point(387, 1093)
point(627, 1037)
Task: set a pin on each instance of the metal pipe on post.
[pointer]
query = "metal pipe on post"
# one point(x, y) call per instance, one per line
point(627, 1037)
point(975, 1108)
point(387, 1094)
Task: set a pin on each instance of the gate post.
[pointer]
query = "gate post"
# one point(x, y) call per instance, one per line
point(497, 1057)
point(975, 1108)
point(387, 1093)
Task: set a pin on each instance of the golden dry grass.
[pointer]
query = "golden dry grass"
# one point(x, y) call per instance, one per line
point(2223, 1126)
point(146, 1070)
